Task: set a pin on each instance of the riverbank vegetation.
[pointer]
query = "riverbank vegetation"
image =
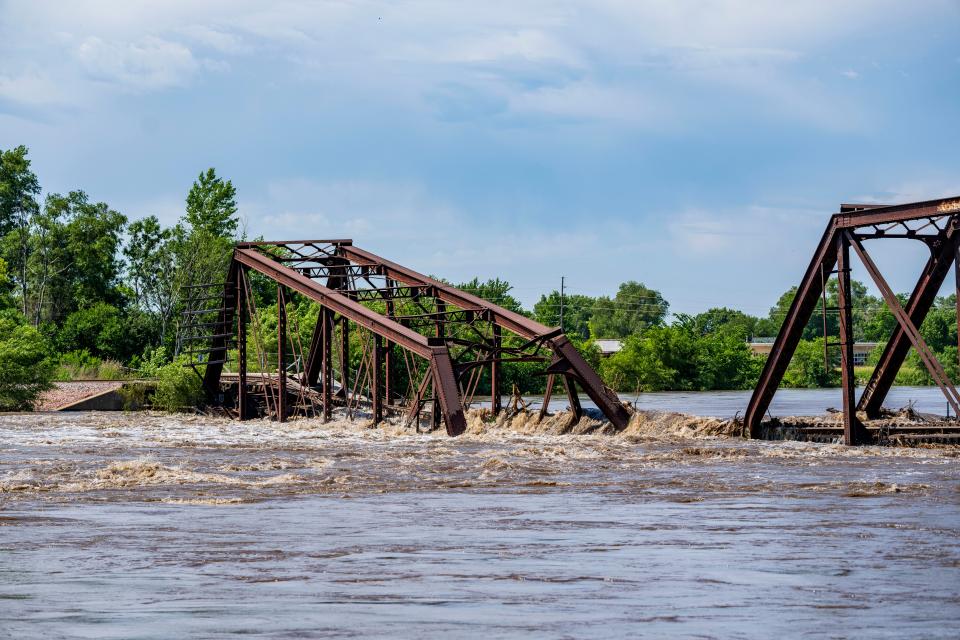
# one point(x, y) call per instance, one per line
point(86, 293)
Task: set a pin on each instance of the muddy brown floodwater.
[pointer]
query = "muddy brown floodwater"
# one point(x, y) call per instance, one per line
point(147, 526)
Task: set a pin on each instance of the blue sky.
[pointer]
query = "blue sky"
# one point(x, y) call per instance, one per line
point(698, 147)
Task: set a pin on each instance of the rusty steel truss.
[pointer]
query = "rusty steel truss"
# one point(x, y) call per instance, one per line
point(933, 222)
point(440, 337)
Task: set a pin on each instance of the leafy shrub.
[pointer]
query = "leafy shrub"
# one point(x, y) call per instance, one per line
point(148, 364)
point(25, 370)
point(807, 368)
point(178, 387)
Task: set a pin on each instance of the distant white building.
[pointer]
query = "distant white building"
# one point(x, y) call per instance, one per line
point(608, 346)
point(861, 350)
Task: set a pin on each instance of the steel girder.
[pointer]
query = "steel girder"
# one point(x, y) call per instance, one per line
point(571, 363)
point(468, 330)
point(935, 223)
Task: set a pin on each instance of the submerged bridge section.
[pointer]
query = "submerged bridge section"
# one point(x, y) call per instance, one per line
point(935, 223)
point(386, 338)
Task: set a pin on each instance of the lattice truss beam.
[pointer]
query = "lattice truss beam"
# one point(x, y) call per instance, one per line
point(424, 344)
point(935, 223)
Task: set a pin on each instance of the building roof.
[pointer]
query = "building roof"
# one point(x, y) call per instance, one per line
point(609, 345)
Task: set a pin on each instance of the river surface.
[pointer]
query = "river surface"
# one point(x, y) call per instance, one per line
point(148, 526)
point(786, 402)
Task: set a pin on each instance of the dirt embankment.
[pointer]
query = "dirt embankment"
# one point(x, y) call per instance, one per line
point(66, 393)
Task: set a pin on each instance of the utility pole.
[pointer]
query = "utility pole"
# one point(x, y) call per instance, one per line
point(563, 281)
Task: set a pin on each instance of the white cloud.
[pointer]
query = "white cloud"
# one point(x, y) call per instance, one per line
point(149, 64)
point(549, 57)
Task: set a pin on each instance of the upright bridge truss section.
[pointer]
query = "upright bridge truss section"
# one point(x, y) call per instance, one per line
point(424, 345)
point(934, 223)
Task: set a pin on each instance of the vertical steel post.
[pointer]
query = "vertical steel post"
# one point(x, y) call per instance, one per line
point(441, 332)
point(345, 357)
point(388, 346)
point(546, 397)
point(326, 393)
point(496, 402)
point(281, 354)
point(441, 308)
point(376, 378)
point(241, 302)
point(575, 408)
point(956, 269)
point(851, 431)
point(387, 370)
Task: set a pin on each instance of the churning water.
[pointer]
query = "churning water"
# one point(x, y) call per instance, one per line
point(149, 526)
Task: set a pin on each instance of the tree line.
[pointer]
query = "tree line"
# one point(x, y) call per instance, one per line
point(87, 293)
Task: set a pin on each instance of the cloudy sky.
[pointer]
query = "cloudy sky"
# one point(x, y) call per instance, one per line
point(696, 146)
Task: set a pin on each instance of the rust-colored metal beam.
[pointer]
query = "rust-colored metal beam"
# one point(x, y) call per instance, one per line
point(576, 409)
point(447, 391)
point(376, 385)
point(909, 328)
point(311, 371)
point(297, 266)
point(272, 243)
point(356, 312)
point(937, 228)
point(438, 355)
point(281, 354)
point(243, 402)
point(496, 401)
point(606, 400)
point(853, 430)
point(791, 330)
point(326, 381)
point(515, 322)
point(898, 213)
point(921, 300)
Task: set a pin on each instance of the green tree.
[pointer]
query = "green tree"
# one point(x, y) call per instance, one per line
point(6, 286)
point(105, 331)
point(722, 319)
point(212, 205)
point(806, 368)
point(577, 312)
point(151, 253)
point(493, 290)
point(47, 262)
point(865, 308)
point(25, 369)
point(19, 189)
point(634, 308)
point(939, 328)
point(94, 235)
point(74, 259)
point(660, 358)
point(203, 244)
point(724, 361)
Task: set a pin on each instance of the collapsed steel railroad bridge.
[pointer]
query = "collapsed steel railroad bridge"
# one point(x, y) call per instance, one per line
point(432, 339)
point(936, 223)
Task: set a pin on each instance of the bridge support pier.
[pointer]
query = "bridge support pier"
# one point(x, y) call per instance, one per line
point(281, 354)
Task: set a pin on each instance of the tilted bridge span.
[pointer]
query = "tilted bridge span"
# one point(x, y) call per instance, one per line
point(423, 345)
